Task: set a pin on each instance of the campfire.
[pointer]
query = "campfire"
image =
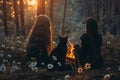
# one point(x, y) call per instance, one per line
point(70, 57)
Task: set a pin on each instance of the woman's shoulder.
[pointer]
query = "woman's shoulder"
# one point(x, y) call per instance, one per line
point(86, 37)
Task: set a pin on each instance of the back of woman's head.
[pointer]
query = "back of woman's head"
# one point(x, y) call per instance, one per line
point(41, 24)
point(42, 21)
point(91, 26)
point(41, 32)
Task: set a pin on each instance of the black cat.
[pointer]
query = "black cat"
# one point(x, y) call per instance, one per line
point(61, 50)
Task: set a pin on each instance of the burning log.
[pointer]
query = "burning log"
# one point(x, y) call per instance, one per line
point(70, 56)
point(70, 60)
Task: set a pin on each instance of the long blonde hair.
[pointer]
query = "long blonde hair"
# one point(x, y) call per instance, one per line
point(41, 26)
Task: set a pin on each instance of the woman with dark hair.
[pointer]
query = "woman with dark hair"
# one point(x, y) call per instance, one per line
point(91, 41)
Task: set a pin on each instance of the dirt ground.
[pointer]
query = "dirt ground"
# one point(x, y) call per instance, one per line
point(108, 72)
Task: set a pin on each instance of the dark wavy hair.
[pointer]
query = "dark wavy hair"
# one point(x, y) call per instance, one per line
point(91, 27)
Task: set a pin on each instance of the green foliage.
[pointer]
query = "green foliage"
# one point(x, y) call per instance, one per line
point(111, 49)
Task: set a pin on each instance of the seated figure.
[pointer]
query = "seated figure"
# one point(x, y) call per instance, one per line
point(91, 41)
point(39, 40)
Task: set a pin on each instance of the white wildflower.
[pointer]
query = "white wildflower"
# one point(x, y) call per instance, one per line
point(67, 77)
point(54, 58)
point(108, 42)
point(32, 64)
point(1, 55)
point(80, 70)
point(12, 48)
point(33, 67)
point(3, 46)
point(42, 63)
point(50, 66)
point(15, 68)
point(19, 42)
point(54, 42)
point(116, 60)
point(9, 55)
point(87, 66)
point(19, 63)
point(5, 60)
point(107, 76)
point(14, 62)
point(18, 37)
point(108, 68)
point(2, 68)
point(119, 68)
point(24, 50)
point(59, 64)
point(33, 59)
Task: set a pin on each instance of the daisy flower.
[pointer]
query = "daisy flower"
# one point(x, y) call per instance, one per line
point(50, 66)
point(59, 64)
point(107, 76)
point(42, 63)
point(2, 68)
point(54, 58)
point(87, 66)
point(108, 42)
point(1, 55)
point(67, 77)
point(80, 70)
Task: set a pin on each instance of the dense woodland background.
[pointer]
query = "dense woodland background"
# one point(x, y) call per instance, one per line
point(18, 15)
point(67, 16)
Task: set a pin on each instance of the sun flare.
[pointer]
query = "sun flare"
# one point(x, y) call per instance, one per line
point(32, 2)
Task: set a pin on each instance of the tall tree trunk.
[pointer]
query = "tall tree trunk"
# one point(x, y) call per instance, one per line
point(116, 17)
point(51, 10)
point(113, 17)
point(88, 8)
point(85, 11)
point(106, 13)
point(94, 9)
point(5, 17)
point(64, 17)
point(16, 17)
point(119, 17)
point(103, 7)
point(97, 10)
point(22, 16)
point(40, 7)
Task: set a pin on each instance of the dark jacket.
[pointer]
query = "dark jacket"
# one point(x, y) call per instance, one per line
point(90, 50)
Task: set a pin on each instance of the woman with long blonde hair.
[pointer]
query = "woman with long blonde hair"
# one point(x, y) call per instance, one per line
point(39, 40)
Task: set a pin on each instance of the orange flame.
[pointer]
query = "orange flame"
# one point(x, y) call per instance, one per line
point(70, 53)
